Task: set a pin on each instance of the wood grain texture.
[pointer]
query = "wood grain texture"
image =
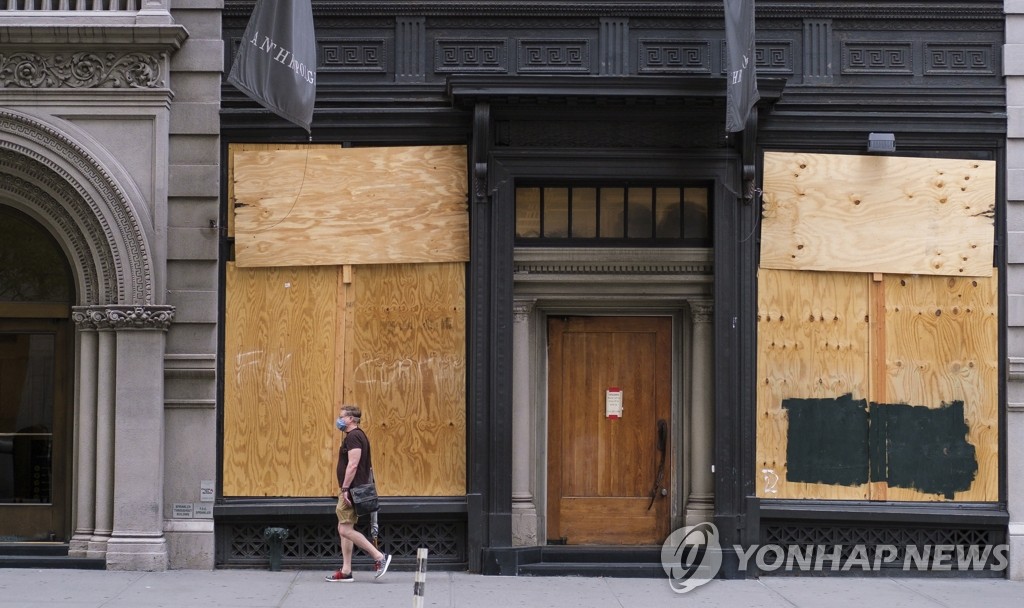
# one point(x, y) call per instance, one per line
point(249, 147)
point(879, 490)
point(942, 346)
point(406, 368)
point(812, 337)
point(928, 341)
point(602, 470)
point(351, 206)
point(887, 214)
point(279, 348)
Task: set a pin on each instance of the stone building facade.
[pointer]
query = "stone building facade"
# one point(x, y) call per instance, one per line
point(109, 139)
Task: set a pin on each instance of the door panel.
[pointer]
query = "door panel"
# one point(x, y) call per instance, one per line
point(33, 414)
point(602, 470)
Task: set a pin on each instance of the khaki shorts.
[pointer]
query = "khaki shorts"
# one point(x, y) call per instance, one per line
point(346, 513)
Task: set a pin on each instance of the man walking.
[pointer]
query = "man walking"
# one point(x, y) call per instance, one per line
point(354, 468)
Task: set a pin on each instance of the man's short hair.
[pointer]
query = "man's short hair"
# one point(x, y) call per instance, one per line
point(352, 410)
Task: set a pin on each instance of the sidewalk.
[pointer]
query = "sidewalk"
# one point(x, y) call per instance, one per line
point(29, 588)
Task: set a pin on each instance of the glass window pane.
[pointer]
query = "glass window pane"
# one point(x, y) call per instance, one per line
point(640, 216)
point(695, 214)
point(666, 206)
point(32, 266)
point(584, 213)
point(612, 219)
point(663, 213)
point(26, 417)
point(527, 212)
point(556, 212)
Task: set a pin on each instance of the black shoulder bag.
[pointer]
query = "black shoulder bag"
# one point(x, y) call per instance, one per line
point(364, 497)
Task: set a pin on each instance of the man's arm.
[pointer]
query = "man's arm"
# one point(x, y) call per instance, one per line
point(354, 456)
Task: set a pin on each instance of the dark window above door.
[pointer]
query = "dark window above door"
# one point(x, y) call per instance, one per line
point(669, 215)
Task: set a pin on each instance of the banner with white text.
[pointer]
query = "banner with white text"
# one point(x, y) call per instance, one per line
point(741, 87)
point(276, 61)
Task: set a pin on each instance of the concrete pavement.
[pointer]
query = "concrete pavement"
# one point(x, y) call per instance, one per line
point(33, 588)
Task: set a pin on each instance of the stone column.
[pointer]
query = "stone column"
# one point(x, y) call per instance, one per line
point(700, 505)
point(104, 492)
point(85, 498)
point(524, 511)
point(137, 540)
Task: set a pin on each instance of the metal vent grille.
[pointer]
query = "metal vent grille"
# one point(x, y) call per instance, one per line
point(315, 544)
point(919, 542)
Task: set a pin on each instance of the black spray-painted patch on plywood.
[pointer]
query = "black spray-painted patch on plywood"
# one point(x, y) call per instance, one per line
point(827, 441)
point(847, 442)
point(922, 448)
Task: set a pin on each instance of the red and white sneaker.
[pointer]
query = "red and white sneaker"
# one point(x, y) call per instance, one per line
point(339, 577)
point(381, 565)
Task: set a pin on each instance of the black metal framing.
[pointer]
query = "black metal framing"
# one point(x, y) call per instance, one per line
point(959, 113)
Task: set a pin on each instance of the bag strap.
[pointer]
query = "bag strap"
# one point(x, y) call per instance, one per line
point(368, 453)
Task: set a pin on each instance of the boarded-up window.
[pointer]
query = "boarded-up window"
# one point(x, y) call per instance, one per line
point(878, 214)
point(880, 382)
point(307, 330)
point(324, 206)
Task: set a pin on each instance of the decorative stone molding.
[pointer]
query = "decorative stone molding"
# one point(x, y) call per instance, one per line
point(122, 317)
point(81, 70)
point(521, 310)
point(99, 206)
point(1015, 369)
point(702, 311)
point(148, 30)
point(28, 183)
point(623, 273)
point(585, 260)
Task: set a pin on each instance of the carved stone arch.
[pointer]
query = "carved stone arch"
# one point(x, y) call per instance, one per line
point(27, 186)
point(52, 177)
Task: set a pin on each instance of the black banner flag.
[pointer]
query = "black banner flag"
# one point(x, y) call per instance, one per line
point(276, 60)
point(741, 87)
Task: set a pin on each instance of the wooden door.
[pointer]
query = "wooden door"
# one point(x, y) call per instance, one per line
point(603, 470)
point(33, 425)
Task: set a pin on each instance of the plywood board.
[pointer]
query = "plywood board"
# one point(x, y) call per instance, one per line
point(279, 437)
point(406, 367)
point(248, 147)
point(941, 348)
point(351, 206)
point(834, 212)
point(812, 337)
point(925, 396)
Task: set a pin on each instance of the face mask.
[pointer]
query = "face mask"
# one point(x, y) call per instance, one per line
point(340, 423)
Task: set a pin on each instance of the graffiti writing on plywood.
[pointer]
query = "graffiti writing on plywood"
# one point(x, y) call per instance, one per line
point(440, 370)
point(271, 370)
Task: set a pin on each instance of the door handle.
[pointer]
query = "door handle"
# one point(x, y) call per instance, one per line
point(659, 477)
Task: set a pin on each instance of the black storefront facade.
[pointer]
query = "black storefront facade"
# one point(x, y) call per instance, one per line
point(551, 98)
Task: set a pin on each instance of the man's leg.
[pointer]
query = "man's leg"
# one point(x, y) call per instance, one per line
point(344, 574)
point(350, 536)
point(346, 549)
